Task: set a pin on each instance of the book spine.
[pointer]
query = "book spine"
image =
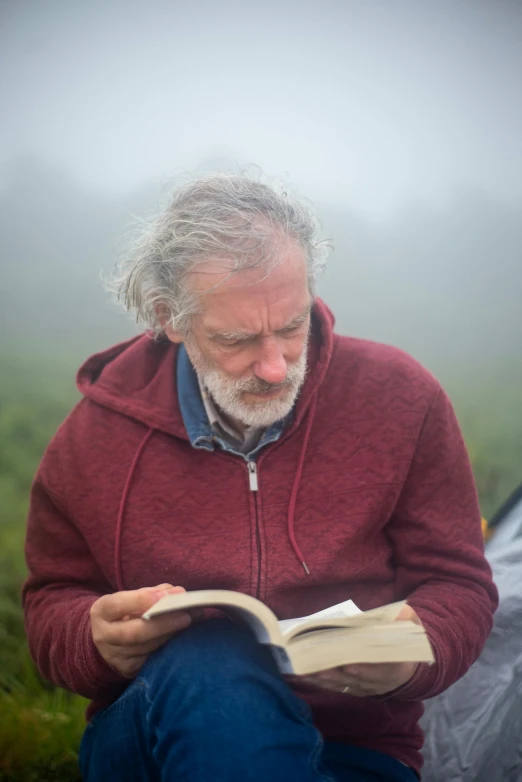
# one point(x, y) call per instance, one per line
point(282, 659)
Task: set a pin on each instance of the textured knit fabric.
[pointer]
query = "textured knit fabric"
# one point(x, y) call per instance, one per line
point(370, 482)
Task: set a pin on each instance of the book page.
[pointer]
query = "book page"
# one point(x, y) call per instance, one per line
point(387, 642)
point(375, 616)
point(339, 611)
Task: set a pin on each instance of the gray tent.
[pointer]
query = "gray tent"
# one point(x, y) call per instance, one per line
point(474, 729)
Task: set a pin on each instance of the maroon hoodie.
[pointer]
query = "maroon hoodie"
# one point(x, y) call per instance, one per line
point(370, 481)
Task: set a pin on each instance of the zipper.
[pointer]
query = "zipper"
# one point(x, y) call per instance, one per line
point(252, 476)
point(254, 487)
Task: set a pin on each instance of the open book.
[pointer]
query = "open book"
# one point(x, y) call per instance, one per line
point(340, 635)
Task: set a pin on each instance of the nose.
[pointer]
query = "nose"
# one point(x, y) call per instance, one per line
point(271, 363)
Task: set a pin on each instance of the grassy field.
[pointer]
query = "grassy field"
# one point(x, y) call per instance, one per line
point(40, 726)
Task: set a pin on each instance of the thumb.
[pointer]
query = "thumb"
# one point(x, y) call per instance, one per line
point(407, 613)
point(157, 592)
point(165, 589)
point(129, 603)
point(152, 595)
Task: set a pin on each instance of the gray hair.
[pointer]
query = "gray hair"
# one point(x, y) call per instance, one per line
point(223, 216)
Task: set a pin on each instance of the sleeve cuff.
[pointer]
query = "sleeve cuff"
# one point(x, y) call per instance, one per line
point(99, 673)
point(426, 682)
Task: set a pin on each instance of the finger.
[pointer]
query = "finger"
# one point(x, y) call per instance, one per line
point(367, 687)
point(131, 602)
point(134, 651)
point(373, 672)
point(349, 686)
point(407, 613)
point(161, 591)
point(334, 681)
point(343, 687)
point(338, 679)
point(333, 675)
point(138, 631)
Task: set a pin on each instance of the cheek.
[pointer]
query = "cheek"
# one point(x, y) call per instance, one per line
point(236, 365)
point(294, 348)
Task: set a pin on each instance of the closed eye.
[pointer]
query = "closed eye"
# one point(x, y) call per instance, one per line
point(233, 341)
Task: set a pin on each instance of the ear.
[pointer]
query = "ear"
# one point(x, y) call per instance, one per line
point(173, 336)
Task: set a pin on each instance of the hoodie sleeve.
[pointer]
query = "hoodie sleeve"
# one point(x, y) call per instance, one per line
point(63, 583)
point(439, 553)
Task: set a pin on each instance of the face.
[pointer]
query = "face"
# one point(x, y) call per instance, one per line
point(249, 342)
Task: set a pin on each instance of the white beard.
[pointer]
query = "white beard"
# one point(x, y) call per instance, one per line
point(227, 392)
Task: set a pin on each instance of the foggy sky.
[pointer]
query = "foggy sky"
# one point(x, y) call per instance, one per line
point(400, 119)
point(373, 104)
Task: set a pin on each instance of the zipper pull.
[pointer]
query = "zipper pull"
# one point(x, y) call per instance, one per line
point(252, 476)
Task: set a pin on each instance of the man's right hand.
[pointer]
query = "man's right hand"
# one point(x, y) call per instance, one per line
point(123, 639)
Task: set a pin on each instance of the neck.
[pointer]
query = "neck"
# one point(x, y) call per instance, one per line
point(235, 423)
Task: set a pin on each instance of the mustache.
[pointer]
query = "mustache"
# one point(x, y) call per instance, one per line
point(256, 385)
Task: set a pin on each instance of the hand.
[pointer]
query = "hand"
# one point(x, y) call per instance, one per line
point(123, 639)
point(366, 679)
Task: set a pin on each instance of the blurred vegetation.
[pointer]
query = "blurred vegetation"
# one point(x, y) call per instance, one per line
point(41, 726)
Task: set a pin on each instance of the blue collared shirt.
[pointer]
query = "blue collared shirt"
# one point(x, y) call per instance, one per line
point(195, 417)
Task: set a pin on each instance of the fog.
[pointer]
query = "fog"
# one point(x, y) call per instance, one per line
point(401, 121)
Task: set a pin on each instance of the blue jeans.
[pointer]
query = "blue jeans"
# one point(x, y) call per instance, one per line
point(211, 705)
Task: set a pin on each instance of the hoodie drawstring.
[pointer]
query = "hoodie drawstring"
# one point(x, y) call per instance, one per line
point(121, 510)
point(295, 486)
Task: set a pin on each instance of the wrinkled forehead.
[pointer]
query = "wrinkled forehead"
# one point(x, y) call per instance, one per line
point(229, 272)
point(276, 291)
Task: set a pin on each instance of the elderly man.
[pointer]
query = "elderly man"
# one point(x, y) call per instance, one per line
point(241, 444)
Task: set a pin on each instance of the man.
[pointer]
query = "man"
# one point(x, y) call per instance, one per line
point(248, 447)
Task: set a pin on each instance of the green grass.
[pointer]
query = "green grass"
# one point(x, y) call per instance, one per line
point(40, 728)
point(40, 725)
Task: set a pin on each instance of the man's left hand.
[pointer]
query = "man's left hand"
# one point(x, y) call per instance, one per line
point(367, 679)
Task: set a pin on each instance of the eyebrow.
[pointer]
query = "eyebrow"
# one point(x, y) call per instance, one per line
point(242, 336)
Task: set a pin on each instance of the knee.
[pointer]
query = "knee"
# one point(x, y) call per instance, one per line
point(215, 673)
point(212, 650)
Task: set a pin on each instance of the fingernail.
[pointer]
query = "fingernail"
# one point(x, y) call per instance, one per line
point(159, 593)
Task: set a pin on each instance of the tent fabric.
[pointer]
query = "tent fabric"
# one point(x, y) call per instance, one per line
point(474, 729)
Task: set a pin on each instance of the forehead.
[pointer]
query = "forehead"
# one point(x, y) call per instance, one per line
point(252, 299)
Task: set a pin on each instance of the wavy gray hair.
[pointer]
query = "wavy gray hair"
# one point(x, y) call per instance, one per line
point(223, 216)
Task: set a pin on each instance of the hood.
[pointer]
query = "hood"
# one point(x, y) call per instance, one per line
point(137, 378)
